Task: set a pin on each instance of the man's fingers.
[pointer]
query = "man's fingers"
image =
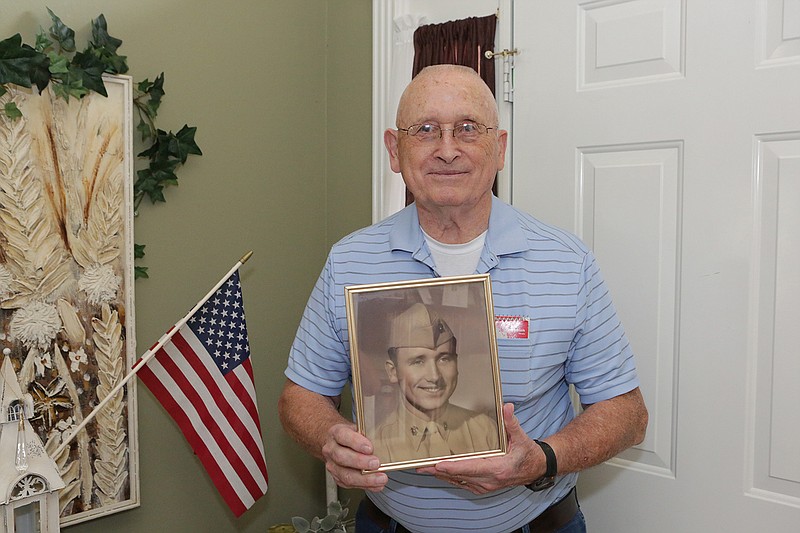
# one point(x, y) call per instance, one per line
point(347, 436)
point(509, 419)
point(347, 454)
point(354, 479)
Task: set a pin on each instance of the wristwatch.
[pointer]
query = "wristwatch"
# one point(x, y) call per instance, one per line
point(549, 477)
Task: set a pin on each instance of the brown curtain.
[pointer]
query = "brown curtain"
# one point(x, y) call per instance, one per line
point(458, 42)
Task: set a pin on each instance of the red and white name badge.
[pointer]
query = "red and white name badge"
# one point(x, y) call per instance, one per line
point(512, 327)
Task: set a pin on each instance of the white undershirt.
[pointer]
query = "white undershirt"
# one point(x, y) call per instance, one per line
point(456, 259)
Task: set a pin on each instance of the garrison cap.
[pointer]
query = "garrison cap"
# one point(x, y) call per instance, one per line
point(416, 327)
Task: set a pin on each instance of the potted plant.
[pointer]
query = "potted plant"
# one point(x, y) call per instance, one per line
point(335, 521)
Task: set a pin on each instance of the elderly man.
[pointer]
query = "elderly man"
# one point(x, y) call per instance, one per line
point(424, 364)
point(448, 148)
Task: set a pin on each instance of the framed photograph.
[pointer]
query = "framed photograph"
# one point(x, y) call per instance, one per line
point(66, 285)
point(426, 378)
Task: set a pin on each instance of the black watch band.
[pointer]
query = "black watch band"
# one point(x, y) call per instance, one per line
point(549, 477)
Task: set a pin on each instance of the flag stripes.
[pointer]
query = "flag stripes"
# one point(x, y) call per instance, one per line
point(212, 398)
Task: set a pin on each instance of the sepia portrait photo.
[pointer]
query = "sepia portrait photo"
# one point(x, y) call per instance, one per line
point(425, 371)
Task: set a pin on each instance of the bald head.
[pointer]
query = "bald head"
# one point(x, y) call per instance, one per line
point(450, 176)
point(470, 88)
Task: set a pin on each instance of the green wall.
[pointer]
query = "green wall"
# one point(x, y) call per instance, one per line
point(280, 92)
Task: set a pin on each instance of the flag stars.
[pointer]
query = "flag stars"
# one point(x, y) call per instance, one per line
point(220, 325)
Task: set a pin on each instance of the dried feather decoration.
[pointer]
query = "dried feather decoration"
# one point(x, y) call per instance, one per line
point(62, 261)
point(110, 478)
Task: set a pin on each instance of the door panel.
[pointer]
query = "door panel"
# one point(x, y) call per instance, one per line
point(666, 133)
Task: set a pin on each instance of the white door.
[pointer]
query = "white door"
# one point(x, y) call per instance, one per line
point(666, 133)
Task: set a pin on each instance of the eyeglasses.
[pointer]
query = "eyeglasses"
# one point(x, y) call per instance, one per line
point(466, 131)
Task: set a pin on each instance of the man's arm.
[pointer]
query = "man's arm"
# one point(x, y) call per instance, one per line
point(599, 433)
point(313, 420)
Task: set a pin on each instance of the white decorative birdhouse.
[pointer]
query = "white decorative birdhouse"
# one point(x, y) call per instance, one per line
point(29, 479)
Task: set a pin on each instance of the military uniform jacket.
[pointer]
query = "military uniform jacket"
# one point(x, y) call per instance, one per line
point(402, 436)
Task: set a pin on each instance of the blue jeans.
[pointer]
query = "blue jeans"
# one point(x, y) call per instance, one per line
point(365, 525)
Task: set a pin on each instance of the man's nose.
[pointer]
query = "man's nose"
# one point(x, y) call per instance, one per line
point(432, 372)
point(447, 147)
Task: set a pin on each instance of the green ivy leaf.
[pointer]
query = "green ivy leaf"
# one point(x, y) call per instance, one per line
point(22, 65)
point(100, 36)
point(140, 272)
point(144, 129)
point(111, 62)
point(43, 42)
point(152, 180)
point(156, 147)
point(40, 74)
point(70, 84)
point(104, 48)
point(155, 91)
point(59, 64)
point(90, 69)
point(63, 35)
point(144, 85)
point(183, 144)
point(11, 109)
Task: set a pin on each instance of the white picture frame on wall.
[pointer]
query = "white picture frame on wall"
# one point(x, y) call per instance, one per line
point(67, 284)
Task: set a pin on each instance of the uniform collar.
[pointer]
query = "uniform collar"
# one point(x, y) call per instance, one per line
point(413, 427)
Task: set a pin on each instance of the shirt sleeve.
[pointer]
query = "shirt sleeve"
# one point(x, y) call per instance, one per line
point(600, 362)
point(318, 359)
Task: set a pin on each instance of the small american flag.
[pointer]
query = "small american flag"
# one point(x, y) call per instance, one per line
point(204, 379)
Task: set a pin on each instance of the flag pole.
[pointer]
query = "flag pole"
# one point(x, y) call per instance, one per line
point(149, 354)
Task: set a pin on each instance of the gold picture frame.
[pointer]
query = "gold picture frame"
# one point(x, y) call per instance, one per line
point(426, 377)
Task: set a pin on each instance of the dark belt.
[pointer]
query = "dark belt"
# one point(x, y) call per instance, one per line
point(552, 519)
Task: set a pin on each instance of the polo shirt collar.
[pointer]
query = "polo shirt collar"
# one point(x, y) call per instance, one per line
point(505, 236)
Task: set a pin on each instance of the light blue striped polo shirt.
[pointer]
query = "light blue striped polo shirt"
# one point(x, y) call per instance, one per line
point(537, 271)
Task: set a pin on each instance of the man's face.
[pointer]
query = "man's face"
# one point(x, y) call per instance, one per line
point(427, 378)
point(447, 172)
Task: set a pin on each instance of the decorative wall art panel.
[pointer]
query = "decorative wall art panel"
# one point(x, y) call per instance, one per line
point(66, 284)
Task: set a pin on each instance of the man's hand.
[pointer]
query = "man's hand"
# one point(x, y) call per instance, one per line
point(602, 431)
point(523, 463)
point(346, 453)
point(314, 422)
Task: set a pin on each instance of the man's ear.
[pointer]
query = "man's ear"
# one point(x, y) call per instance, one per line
point(391, 371)
point(390, 141)
point(502, 141)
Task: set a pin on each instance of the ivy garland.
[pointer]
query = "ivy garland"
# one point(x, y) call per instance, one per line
point(55, 61)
